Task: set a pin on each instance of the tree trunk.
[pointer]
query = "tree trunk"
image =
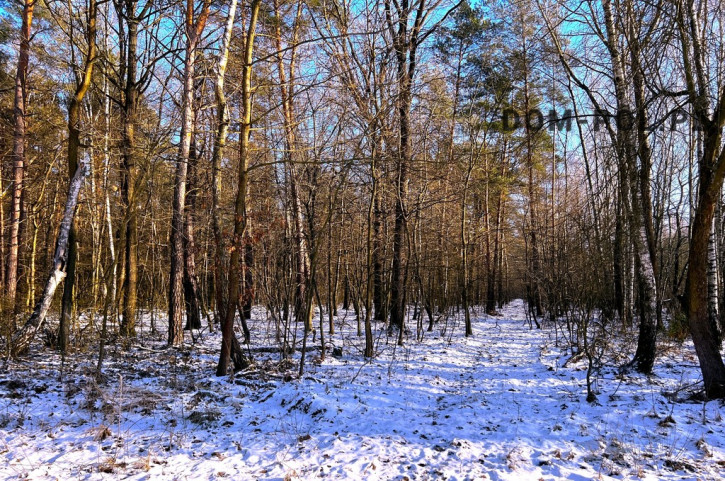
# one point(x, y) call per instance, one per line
point(464, 248)
point(379, 304)
point(713, 297)
point(703, 335)
point(399, 268)
point(19, 113)
point(129, 170)
point(534, 268)
point(302, 275)
point(405, 45)
point(194, 30)
point(191, 283)
point(230, 346)
point(248, 291)
point(494, 279)
point(710, 181)
point(627, 151)
point(74, 144)
point(370, 291)
point(221, 262)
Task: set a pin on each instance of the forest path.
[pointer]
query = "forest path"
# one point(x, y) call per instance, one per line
point(497, 405)
point(502, 404)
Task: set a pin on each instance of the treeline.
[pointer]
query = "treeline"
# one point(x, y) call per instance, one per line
point(198, 158)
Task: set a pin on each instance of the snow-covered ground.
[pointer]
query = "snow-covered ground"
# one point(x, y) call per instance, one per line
point(499, 405)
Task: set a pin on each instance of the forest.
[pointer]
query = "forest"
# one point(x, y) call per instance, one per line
point(301, 197)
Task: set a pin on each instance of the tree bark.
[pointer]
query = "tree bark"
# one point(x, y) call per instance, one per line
point(405, 45)
point(703, 335)
point(191, 282)
point(19, 129)
point(711, 174)
point(627, 152)
point(713, 294)
point(194, 29)
point(221, 261)
point(230, 346)
point(127, 15)
point(74, 145)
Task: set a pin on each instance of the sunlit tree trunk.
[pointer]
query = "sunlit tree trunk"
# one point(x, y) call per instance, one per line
point(221, 261)
point(74, 146)
point(194, 29)
point(191, 282)
point(627, 153)
point(711, 174)
point(230, 346)
point(19, 130)
point(129, 18)
point(713, 295)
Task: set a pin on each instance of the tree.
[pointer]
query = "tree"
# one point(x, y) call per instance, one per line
point(709, 113)
point(193, 28)
point(629, 147)
point(229, 341)
point(83, 83)
point(131, 86)
point(405, 23)
point(287, 82)
point(63, 260)
point(19, 130)
point(455, 45)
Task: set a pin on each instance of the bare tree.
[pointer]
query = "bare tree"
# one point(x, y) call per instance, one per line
point(229, 340)
point(64, 244)
point(709, 113)
point(19, 130)
point(194, 27)
point(405, 23)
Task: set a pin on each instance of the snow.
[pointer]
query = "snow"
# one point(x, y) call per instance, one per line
point(507, 403)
